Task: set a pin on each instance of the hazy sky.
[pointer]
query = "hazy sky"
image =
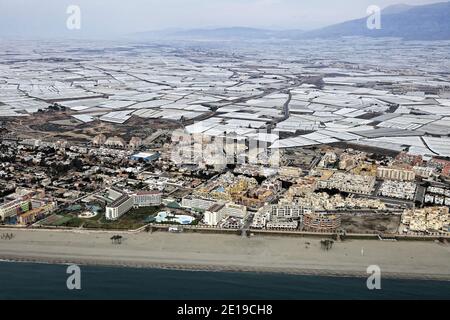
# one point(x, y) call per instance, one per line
point(115, 17)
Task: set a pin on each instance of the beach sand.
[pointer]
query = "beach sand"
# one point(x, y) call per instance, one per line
point(216, 252)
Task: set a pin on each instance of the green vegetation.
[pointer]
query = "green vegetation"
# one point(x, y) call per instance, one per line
point(132, 220)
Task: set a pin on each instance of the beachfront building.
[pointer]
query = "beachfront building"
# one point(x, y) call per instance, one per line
point(231, 223)
point(234, 210)
point(36, 214)
point(282, 225)
point(432, 220)
point(285, 211)
point(215, 214)
point(282, 216)
point(146, 199)
point(13, 208)
point(321, 222)
point(119, 207)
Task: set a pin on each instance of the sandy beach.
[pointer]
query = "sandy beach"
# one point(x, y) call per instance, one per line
point(404, 259)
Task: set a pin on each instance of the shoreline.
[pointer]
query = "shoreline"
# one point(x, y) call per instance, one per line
point(225, 269)
point(226, 253)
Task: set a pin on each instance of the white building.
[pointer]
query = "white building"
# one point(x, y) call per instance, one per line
point(214, 215)
point(197, 203)
point(282, 216)
point(119, 207)
point(234, 210)
point(285, 211)
point(282, 225)
point(218, 212)
point(351, 183)
point(115, 193)
point(147, 199)
point(424, 172)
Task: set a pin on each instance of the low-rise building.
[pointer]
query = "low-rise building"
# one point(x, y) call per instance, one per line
point(231, 223)
point(427, 220)
point(290, 172)
point(321, 222)
point(344, 182)
point(398, 189)
point(282, 225)
point(282, 216)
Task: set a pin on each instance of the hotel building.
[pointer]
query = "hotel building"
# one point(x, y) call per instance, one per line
point(147, 199)
point(119, 207)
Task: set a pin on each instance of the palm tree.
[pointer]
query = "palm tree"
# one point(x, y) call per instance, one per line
point(116, 239)
point(327, 244)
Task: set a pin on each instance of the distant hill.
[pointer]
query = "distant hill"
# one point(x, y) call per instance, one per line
point(228, 33)
point(397, 8)
point(233, 33)
point(427, 22)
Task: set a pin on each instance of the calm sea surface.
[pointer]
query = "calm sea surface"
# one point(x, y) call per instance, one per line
point(45, 281)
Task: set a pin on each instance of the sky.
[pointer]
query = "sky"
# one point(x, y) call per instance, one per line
point(110, 18)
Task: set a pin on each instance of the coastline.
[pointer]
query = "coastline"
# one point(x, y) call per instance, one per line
point(229, 253)
point(226, 269)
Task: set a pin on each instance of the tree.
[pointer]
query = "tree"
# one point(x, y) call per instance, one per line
point(77, 164)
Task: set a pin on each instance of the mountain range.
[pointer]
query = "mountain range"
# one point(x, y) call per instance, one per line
point(424, 22)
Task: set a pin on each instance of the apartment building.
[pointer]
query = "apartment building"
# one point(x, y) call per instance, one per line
point(13, 208)
point(397, 174)
point(321, 222)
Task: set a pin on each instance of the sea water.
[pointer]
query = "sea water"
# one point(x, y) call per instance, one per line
point(47, 281)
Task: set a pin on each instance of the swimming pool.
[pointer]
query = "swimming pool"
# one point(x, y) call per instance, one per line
point(164, 216)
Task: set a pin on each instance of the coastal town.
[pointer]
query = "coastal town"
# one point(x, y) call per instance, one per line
point(219, 141)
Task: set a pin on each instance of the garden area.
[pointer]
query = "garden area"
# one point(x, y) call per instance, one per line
point(132, 220)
